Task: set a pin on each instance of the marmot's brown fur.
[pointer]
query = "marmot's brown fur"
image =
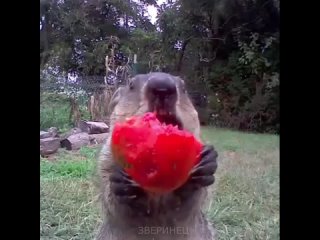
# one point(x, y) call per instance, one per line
point(131, 214)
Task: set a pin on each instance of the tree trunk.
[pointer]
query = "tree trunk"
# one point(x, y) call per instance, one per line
point(73, 131)
point(93, 127)
point(74, 112)
point(91, 107)
point(52, 132)
point(98, 105)
point(184, 45)
point(95, 106)
point(44, 134)
point(49, 146)
point(98, 138)
point(76, 141)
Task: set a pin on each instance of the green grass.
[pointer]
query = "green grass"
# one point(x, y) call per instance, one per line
point(244, 205)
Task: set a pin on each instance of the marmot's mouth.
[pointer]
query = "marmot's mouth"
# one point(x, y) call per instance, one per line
point(169, 118)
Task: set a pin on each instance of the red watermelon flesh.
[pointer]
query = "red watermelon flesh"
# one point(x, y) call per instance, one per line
point(158, 157)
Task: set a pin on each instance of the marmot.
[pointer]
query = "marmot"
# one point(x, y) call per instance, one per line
point(128, 212)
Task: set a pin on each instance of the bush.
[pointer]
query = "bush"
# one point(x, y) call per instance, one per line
point(55, 112)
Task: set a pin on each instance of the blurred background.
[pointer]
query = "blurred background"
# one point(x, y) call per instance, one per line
point(227, 51)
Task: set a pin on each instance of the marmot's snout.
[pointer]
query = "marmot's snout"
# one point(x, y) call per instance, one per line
point(162, 95)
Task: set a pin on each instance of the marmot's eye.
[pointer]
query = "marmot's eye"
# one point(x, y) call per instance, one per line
point(131, 85)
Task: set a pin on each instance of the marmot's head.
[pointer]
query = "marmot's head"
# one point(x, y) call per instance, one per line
point(156, 92)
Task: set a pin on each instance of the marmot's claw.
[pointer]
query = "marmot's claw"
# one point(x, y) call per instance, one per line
point(202, 175)
point(126, 189)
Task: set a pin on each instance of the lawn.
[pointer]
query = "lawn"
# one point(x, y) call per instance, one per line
point(245, 204)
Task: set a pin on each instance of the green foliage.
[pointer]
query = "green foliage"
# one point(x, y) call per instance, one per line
point(75, 165)
point(55, 111)
point(66, 169)
point(214, 104)
point(228, 49)
point(75, 33)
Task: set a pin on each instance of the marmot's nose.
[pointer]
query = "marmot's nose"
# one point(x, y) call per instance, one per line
point(161, 87)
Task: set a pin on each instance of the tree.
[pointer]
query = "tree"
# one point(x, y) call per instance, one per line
point(227, 49)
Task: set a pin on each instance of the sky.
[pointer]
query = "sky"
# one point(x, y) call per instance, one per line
point(153, 11)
